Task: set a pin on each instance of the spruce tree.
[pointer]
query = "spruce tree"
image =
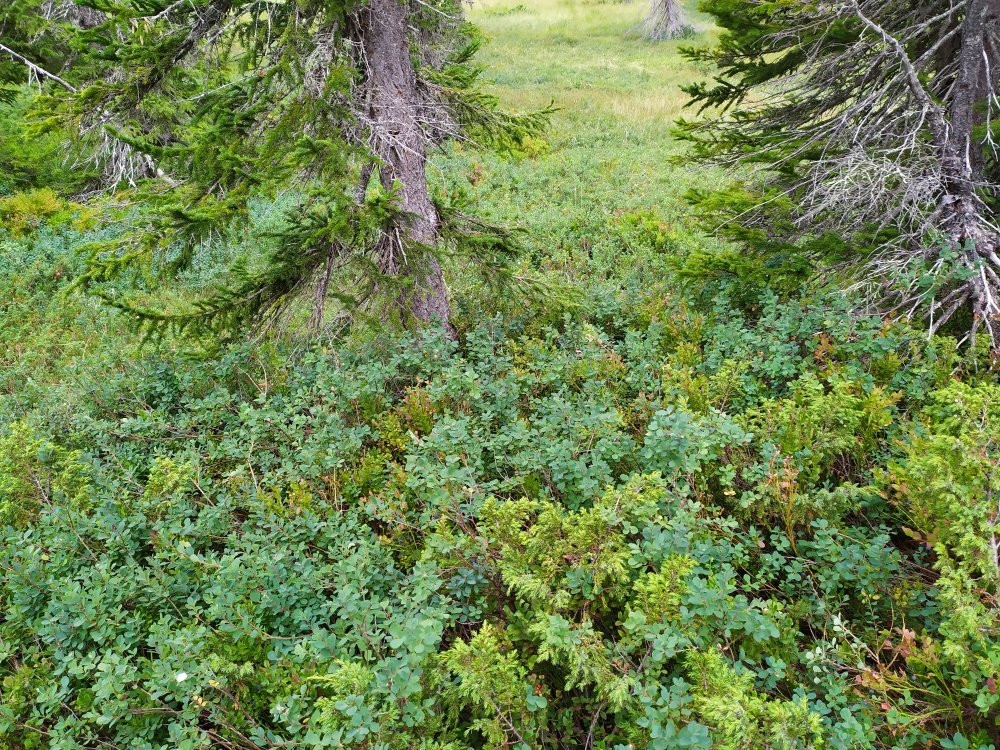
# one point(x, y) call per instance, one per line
point(34, 42)
point(872, 125)
point(334, 103)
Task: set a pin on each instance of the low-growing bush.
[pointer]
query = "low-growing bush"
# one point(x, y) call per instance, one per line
point(774, 533)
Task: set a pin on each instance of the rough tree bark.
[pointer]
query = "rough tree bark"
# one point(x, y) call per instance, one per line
point(962, 160)
point(665, 21)
point(394, 108)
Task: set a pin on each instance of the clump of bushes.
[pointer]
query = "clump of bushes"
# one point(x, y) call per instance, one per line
point(665, 528)
point(23, 212)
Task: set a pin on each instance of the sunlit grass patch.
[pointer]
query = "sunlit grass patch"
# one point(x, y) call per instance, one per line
point(610, 150)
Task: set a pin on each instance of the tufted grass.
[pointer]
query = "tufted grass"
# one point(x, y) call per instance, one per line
point(609, 152)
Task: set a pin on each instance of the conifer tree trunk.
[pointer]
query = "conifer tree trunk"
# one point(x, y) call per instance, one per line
point(665, 20)
point(963, 215)
point(962, 157)
point(394, 108)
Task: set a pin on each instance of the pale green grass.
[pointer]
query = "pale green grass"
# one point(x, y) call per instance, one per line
point(609, 150)
point(580, 54)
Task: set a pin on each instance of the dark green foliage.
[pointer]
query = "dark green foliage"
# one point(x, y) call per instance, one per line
point(755, 49)
point(30, 160)
point(616, 532)
point(665, 510)
point(34, 44)
point(760, 215)
point(209, 108)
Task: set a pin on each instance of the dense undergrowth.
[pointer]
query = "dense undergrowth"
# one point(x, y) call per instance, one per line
point(666, 509)
point(668, 525)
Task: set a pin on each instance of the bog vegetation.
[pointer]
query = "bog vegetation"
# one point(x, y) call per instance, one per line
point(383, 374)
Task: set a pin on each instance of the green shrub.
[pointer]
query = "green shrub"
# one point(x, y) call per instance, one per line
point(534, 538)
point(22, 213)
point(35, 473)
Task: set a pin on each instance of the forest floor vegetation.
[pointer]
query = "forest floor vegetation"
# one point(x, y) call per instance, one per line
point(657, 505)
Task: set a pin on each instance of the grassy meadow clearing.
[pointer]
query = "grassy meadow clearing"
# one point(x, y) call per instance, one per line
point(609, 151)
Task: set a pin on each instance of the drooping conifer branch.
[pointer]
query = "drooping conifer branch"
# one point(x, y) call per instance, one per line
point(338, 103)
point(877, 121)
